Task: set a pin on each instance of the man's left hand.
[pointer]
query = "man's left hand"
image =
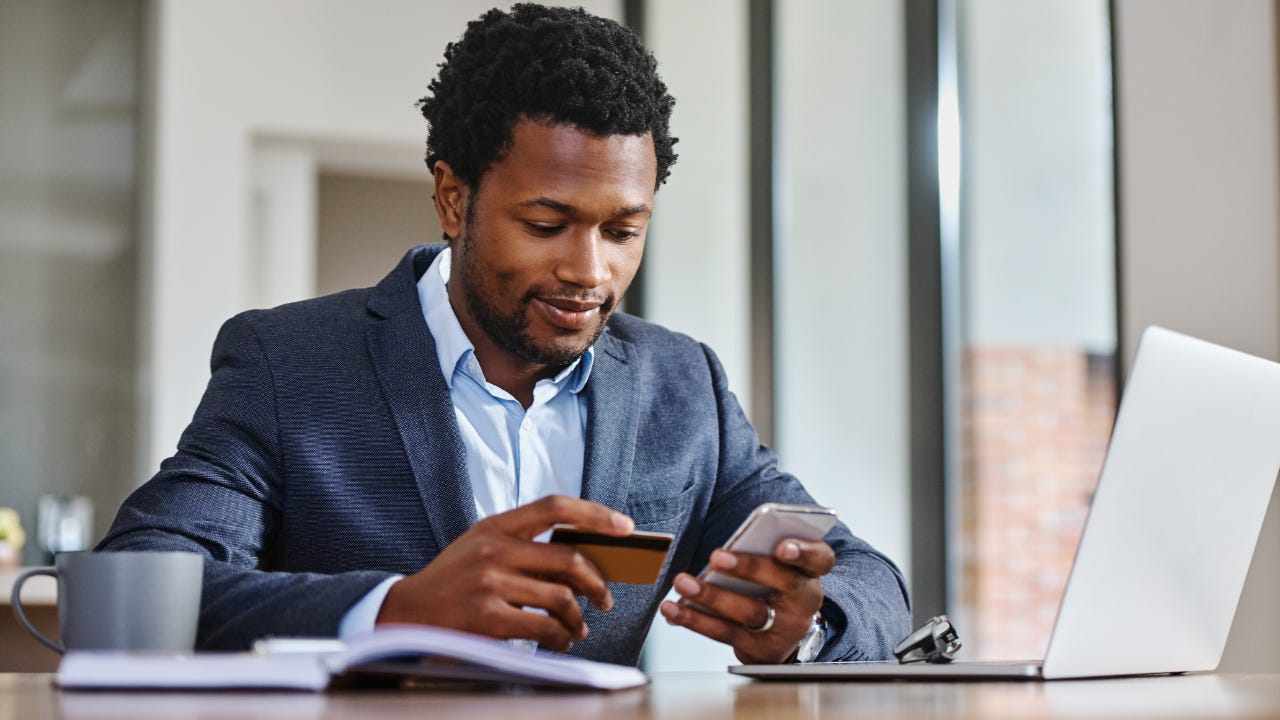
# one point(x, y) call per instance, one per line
point(793, 573)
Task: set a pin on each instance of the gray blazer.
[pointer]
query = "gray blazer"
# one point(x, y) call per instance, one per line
point(325, 457)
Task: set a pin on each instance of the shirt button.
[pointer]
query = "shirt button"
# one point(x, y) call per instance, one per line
point(527, 424)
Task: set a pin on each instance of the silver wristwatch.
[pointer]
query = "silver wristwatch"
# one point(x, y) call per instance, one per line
point(811, 645)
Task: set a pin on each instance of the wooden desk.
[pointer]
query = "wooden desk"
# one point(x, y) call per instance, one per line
point(689, 695)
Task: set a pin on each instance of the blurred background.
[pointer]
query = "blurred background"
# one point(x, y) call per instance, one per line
point(923, 237)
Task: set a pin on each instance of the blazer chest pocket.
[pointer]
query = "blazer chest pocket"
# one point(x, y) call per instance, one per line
point(663, 507)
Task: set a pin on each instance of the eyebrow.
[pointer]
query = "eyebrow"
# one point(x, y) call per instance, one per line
point(568, 209)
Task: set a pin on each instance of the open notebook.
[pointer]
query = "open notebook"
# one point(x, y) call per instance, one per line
point(407, 652)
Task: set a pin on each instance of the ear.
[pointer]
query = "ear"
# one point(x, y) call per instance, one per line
point(451, 198)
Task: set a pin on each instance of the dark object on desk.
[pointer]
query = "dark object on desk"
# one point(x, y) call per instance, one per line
point(935, 642)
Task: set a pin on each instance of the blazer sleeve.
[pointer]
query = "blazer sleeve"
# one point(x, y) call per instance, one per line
point(867, 603)
point(221, 496)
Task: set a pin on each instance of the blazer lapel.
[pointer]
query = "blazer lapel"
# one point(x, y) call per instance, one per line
point(612, 421)
point(404, 356)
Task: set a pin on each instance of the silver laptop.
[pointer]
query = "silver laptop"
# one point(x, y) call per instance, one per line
point(1172, 530)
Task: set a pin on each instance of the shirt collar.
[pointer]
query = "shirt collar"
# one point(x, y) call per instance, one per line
point(455, 351)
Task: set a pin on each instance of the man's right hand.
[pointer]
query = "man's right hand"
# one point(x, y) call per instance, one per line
point(481, 582)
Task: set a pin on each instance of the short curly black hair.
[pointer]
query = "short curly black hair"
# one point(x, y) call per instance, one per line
point(561, 65)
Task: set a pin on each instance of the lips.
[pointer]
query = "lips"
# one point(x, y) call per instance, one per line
point(567, 313)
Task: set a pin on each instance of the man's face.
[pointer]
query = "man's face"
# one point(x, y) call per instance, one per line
point(551, 240)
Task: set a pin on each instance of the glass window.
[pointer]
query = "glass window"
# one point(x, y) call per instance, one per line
point(68, 258)
point(1037, 336)
point(841, 262)
point(840, 248)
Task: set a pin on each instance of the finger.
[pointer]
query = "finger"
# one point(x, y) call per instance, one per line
point(509, 622)
point(716, 628)
point(773, 646)
point(813, 558)
point(561, 563)
point(558, 600)
point(727, 604)
point(527, 521)
point(759, 569)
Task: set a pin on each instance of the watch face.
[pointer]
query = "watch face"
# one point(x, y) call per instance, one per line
point(812, 643)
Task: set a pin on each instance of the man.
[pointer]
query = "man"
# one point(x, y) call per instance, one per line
point(390, 454)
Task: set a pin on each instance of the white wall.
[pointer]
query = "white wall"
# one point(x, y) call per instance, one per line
point(282, 222)
point(1200, 202)
point(227, 74)
point(1038, 235)
point(842, 263)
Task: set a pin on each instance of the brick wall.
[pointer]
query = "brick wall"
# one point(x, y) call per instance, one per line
point(1034, 425)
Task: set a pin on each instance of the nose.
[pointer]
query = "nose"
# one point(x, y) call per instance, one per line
point(585, 262)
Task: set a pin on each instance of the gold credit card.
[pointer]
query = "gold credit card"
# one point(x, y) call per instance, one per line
point(636, 558)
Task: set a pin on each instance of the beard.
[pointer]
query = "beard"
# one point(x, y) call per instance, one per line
point(511, 330)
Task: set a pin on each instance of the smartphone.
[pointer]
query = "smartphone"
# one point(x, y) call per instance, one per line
point(760, 533)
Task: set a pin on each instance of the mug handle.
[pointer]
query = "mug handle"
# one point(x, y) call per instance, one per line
point(16, 600)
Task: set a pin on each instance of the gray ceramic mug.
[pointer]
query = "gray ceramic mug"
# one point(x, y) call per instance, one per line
point(137, 601)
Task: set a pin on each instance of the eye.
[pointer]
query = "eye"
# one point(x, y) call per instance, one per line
point(543, 229)
point(622, 234)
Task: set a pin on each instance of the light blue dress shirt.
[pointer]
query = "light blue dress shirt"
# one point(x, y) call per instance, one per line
point(514, 455)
